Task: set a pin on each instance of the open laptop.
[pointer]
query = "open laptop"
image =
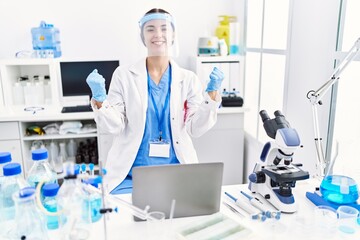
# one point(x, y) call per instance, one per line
point(196, 188)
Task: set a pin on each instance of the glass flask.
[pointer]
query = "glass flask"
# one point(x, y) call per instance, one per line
point(29, 222)
point(41, 169)
point(12, 182)
point(71, 197)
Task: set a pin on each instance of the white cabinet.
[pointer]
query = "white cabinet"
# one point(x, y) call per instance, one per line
point(17, 105)
point(39, 90)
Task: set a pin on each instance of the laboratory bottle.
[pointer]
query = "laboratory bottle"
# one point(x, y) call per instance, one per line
point(40, 94)
point(63, 152)
point(18, 94)
point(49, 191)
point(223, 30)
point(5, 158)
point(71, 197)
point(41, 171)
point(55, 161)
point(12, 182)
point(47, 89)
point(93, 200)
point(29, 222)
point(71, 148)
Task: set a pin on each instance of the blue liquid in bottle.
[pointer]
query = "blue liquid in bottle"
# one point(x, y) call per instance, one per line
point(339, 189)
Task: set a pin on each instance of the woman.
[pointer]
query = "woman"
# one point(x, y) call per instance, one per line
point(153, 107)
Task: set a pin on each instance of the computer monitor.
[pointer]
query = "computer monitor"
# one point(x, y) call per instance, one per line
point(73, 76)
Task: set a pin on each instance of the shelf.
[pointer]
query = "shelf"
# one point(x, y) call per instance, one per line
point(57, 136)
point(215, 59)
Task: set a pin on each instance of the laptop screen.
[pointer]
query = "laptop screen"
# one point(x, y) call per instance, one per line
point(196, 188)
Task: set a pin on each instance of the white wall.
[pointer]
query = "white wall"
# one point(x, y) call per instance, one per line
point(107, 29)
point(312, 48)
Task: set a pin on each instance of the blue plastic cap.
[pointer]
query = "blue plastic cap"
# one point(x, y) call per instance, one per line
point(5, 157)
point(12, 169)
point(39, 154)
point(50, 189)
point(91, 166)
point(93, 181)
point(26, 192)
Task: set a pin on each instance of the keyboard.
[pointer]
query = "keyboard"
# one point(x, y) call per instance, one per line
point(79, 108)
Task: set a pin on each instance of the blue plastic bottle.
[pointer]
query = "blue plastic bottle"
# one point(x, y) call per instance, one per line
point(49, 192)
point(46, 41)
point(5, 157)
point(93, 201)
point(12, 182)
point(41, 169)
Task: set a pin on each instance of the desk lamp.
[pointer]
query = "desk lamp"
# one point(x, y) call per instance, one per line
point(335, 190)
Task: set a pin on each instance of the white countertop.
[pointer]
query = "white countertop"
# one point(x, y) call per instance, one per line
point(299, 225)
point(53, 113)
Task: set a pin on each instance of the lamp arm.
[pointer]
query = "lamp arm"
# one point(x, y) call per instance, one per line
point(315, 99)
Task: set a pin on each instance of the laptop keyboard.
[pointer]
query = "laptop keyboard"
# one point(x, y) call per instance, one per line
point(80, 108)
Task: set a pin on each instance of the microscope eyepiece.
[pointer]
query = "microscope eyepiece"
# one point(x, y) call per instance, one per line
point(264, 116)
point(278, 113)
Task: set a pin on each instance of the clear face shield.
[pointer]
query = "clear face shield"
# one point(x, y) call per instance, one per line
point(158, 35)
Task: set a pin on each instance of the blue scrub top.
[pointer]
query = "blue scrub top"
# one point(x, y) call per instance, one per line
point(159, 93)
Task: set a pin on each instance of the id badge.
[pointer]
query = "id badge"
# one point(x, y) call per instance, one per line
point(159, 149)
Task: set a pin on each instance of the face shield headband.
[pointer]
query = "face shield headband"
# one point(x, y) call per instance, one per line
point(157, 16)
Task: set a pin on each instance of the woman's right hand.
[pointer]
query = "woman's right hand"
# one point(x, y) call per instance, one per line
point(96, 83)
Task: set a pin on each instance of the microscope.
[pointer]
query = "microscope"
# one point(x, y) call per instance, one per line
point(275, 175)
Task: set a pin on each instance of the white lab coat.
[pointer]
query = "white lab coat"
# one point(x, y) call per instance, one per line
point(123, 114)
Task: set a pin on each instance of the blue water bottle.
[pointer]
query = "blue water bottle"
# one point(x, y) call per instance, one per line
point(46, 41)
point(49, 191)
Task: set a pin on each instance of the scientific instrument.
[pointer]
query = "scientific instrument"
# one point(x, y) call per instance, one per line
point(334, 189)
point(269, 213)
point(254, 213)
point(276, 175)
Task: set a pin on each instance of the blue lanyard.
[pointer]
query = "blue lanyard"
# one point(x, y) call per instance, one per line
point(167, 99)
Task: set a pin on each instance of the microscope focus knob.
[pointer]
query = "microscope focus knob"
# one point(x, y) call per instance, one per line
point(257, 177)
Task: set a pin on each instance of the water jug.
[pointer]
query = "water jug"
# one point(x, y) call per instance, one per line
point(46, 41)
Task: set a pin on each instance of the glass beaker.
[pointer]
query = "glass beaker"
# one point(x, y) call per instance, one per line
point(348, 217)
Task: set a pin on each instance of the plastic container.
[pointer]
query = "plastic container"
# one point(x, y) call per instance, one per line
point(5, 158)
point(234, 38)
point(55, 160)
point(71, 148)
point(47, 90)
point(11, 183)
point(29, 222)
point(46, 41)
point(30, 94)
point(339, 189)
point(41, 169)
point(49, 191)
point(18, 94)
point(223, 30)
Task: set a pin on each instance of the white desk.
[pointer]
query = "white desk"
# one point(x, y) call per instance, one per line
point(299, 225)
